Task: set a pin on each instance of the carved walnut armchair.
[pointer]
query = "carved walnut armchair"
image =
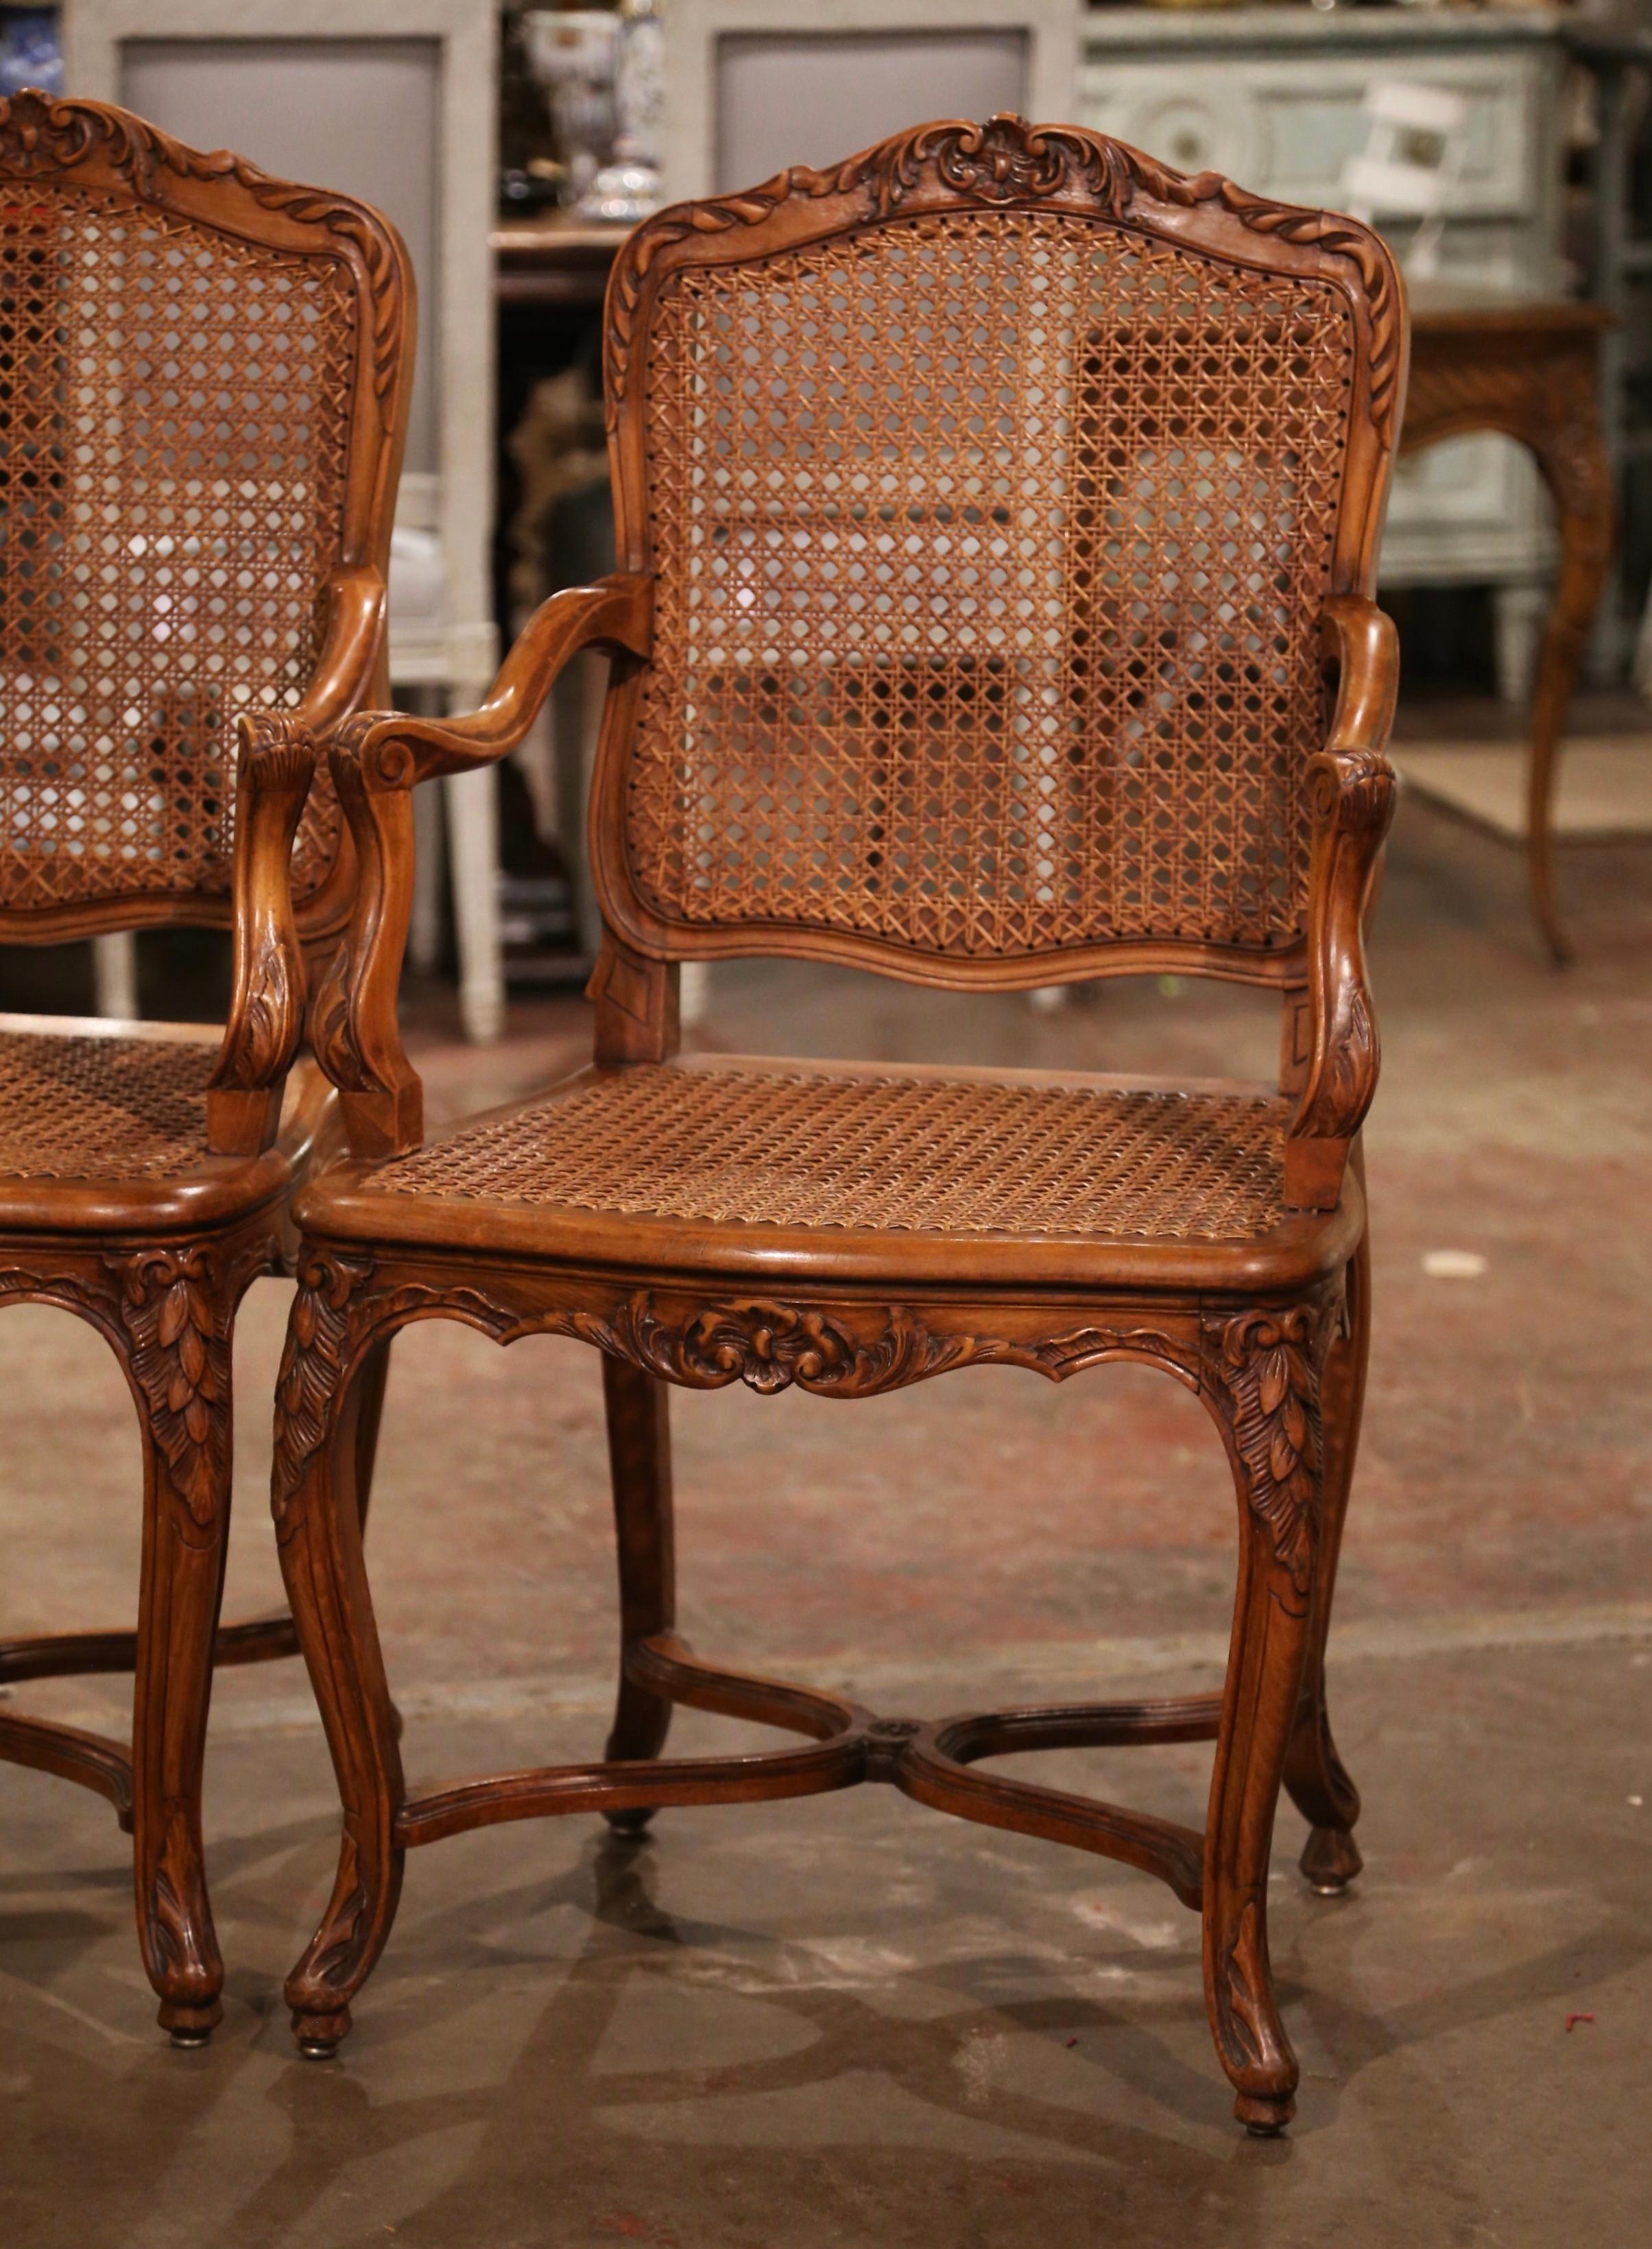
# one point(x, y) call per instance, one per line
point(201, 428)
point(998, 513)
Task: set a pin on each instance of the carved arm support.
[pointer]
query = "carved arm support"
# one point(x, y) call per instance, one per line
point(378, 758)
point(616, 613)
point(274, 767)
point(1349, 790)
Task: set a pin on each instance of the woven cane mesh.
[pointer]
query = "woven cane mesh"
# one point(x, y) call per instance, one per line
point(902, 1154)
point(991, 549)
point(174, 423)
point(101, 1109)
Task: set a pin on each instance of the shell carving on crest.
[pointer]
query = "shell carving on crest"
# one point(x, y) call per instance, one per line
point(1005, 161)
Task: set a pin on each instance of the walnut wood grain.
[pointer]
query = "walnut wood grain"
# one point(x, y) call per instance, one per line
point(845, 1295)
point(275, 767)
point(155, 1250)
point(64, 149)
point(1350, 789)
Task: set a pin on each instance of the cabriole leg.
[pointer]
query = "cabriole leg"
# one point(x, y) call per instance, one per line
point(177, 1313)
point(1264, 1372)
point(371, 1380)
point(1314, 1774)
point(321, 1447)
point(639, 1459)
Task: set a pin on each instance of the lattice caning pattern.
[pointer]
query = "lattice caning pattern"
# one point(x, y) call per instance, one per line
point(991, 549)
point(101, 1109)
point(175, 409)
point(904, 1154)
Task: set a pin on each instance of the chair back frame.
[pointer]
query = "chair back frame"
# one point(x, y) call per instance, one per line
point(1004, 167)
point(72, 148)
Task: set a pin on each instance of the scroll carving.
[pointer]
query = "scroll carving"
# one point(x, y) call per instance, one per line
point(1350, 795)
point(38, 135)
point(266, 1015)
point(336, 1946)
point(177, 1909)
point(1244, 2022)
point(352, 1024)
point(1004, 161)
point(768, 1346)
point(21, 1284)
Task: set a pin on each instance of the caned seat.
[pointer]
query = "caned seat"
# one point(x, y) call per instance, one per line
point(93, 1118)
point(998, 513)
point(202, 412)
point(727, 1162)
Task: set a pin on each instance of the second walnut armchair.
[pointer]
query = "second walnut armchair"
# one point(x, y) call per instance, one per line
point(201, 428)
point(998, 513)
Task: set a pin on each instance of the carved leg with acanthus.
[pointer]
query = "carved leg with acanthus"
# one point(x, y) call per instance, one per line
point(640, 1458)
point(1263, 1376)
point(1314, 1774)
point(177, 1310)
point(331, 1375)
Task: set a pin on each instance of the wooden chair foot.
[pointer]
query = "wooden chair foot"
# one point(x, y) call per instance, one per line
point(1331, 1859)
point(189, 2025)
point(319, 2036)
point(1262, 2118)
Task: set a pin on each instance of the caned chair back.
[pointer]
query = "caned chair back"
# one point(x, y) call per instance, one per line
point(994, 483)
point(200, 420)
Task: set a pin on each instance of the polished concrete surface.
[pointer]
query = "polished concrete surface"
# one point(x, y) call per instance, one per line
point(849, 2021)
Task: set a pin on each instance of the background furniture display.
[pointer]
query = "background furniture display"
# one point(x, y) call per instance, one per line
point(753, 87)
point(1410, 166)
point(1531, 370)
point(1276, 97)
point(979, 700)
point(1621, 282)
point(204, 410)
point(396, 100)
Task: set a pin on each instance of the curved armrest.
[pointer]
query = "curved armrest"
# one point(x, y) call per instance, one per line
point(395, 751)
point(1349, 790)
point(274, 767)
point(378, 757)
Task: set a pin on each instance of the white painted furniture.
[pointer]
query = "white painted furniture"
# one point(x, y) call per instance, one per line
point(1410, 164)
point(754, 85)
point(1275, 98)
point(396, 101)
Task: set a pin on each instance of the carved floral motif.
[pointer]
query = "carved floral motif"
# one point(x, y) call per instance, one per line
point(1267, 1375)
point(312, 1363)
point(769, 1345)
point(1007, 159)
point(177, 1315)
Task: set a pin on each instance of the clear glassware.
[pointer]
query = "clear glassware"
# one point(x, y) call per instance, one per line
point(628, 188)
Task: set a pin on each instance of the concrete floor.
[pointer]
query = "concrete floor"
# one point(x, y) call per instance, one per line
point(849, 2021)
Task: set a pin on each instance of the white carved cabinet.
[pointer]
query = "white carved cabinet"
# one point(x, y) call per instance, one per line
point(1272, 97)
